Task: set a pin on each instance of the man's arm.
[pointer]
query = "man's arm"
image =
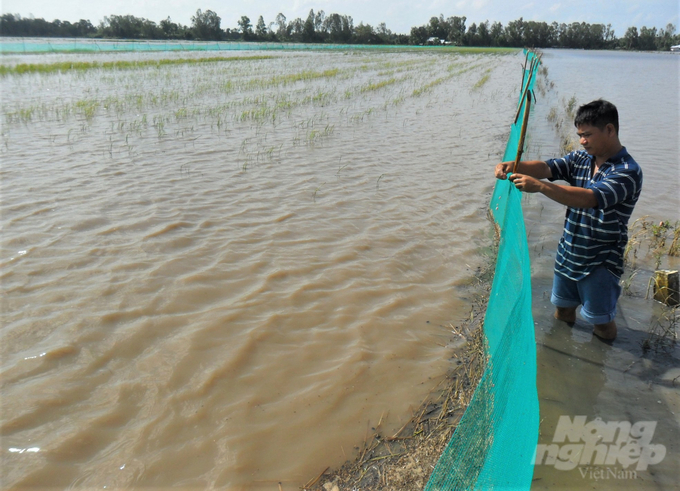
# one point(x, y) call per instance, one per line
point(572, 196)
point(533, 168)
point(528, 179)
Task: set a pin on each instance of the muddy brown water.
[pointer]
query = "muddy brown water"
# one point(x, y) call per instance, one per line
point(225, 274)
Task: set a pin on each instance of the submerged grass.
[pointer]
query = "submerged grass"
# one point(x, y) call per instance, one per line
point(66, 66)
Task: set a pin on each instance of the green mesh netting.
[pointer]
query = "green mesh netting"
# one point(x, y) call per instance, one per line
point(75, 45)
point(494, 443)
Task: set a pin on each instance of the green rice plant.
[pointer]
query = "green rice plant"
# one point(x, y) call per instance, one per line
point(467, 69)
point(316, 191)
point(292, 78)
point(65, 66)
point(425, 88)
point(480, 83)
point(181, 113)
point(321, 98)
point(258, 114)
point(378, 85)
point(22, 115)
point(88, 108)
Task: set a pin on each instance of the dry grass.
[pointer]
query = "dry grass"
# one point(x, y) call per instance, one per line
point(662, 335)
point(660, 240)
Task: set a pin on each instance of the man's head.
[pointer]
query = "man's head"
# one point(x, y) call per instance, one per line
point(597, 125)
point(599, 113)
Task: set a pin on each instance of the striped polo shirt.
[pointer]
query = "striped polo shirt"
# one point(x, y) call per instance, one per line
point(596, 236)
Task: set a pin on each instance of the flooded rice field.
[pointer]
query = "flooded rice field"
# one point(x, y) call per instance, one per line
point(222, 274)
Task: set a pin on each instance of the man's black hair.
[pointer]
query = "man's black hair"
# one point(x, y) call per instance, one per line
point(598, 113)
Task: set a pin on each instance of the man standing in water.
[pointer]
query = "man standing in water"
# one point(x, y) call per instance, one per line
point(605, 184)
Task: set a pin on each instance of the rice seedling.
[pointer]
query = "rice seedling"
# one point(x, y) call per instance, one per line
point(426, 88)
point(87, 108)
point(378, 85)
point(316, 191)
point(66, 66)
point(377, 182)
point(292, 78)
point(480, 83)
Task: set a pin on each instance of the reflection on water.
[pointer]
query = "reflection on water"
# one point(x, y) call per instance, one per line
point(220, 275)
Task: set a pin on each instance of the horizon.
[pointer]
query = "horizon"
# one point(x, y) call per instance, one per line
point(399, 17)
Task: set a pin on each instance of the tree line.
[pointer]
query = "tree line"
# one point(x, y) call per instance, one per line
point(336, 28)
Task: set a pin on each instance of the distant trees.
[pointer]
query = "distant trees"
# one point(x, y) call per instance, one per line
point(261, 29)
point(129, 26)
point(281, 31)
point(171, 30)
point(339, 28)
point(318, 27)
point(15, 25)
point(520, 33)
point(206, 25)
point(666, 38)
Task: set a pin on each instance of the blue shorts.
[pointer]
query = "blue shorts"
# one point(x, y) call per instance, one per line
point(598, 293)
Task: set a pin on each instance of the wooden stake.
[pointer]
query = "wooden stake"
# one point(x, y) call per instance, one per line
point(520, 146)
point(526, 87)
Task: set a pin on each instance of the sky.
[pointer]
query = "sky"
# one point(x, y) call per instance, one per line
point(398, 15)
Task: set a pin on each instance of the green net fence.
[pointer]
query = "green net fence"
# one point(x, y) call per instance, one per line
point(81, 45)
point(494, 443)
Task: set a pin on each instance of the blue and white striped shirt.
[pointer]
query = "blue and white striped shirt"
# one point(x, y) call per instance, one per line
point(596, 236)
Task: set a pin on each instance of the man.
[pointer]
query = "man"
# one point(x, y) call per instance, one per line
point(605, 184)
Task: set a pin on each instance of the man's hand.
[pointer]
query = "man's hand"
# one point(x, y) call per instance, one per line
point(503, 168)
point(525, 183)
point(534, 168)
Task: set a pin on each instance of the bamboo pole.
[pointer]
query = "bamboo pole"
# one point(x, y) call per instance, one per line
point(532, 66)
point(520, 146)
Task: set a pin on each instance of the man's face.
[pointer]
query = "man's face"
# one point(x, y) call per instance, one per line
point(594, 140)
